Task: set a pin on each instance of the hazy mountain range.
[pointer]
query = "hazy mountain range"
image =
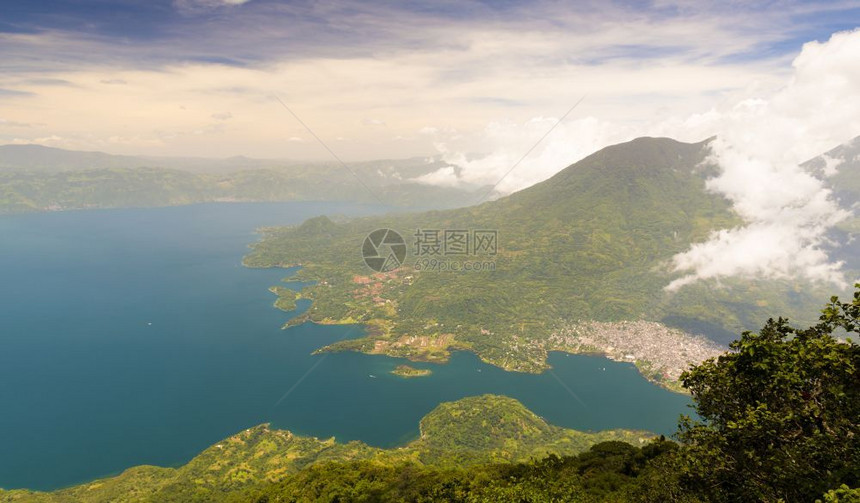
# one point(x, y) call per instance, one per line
point(37, 178)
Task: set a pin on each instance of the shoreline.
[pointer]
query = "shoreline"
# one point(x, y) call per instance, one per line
point(642, 365)
point(659, 353)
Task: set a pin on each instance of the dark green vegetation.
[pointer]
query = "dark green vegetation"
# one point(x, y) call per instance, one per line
point(591, 243)
point(782, 410)
point(36, 178)
point(470, 432)
point(609, 471)
point(780, 422)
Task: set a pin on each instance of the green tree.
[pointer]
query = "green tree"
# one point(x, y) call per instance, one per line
point(842, 495)
point(780, 414)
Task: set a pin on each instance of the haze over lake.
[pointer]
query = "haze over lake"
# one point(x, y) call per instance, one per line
point(135, 336)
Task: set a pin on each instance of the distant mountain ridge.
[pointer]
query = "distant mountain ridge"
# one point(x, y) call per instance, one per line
point(38, 178)
point(51, 159)
point(839, 168)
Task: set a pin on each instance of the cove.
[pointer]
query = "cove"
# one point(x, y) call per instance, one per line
point(135, 336)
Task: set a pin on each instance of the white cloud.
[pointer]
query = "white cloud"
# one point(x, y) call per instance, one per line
point(507, 169)
point(44, 140)
point(190, 6)
point(443, 177)
point(367, 121)
point(831, 165)
point(8, 123)
point(761, 143)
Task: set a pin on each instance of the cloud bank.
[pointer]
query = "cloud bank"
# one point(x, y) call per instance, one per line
point(196, 6)
point(760, 146)
point(507, 170)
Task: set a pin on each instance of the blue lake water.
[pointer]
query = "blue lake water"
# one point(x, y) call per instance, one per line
point(135, 336)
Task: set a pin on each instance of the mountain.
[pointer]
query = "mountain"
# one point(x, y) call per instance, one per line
point(48, 159)
point(581, 264)
point(468, 432)
point(37, 178)
point(39, 158)
point(839, 168)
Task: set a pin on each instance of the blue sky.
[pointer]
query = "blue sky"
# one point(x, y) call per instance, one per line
point(256, 31)
point(160, 76)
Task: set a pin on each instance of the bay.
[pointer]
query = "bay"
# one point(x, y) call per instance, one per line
point(135, 336)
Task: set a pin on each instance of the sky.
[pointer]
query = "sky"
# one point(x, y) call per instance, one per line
point(477, 83)
point(380, 79)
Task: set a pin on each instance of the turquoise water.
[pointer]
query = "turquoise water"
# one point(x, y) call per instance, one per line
point(135, 336)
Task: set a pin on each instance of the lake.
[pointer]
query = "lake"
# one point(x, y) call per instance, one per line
point(135, 336)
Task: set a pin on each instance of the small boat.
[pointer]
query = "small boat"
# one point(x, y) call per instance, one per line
point(372, 376)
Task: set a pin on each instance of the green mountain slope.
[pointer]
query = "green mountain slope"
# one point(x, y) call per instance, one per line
point(469, 432)
point(840, 169)
point(592, 243)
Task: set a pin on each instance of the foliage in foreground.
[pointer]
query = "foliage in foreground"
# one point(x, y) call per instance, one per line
point(473, 431)
point(780, 414)
point(607, 472)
